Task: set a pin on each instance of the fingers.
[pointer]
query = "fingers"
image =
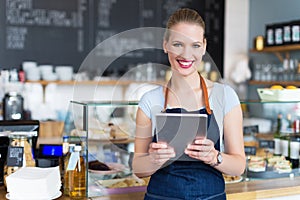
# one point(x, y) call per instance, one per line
point(160, 152)
point(158, 145)
point(206, 142)
point(202, 150)
point(199, 148)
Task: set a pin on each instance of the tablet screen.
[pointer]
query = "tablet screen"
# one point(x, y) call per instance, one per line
point(179, 130)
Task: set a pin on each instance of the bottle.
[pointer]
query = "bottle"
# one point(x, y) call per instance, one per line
point(270, 35)
point(297, 78)
point(294, 152)
point(278, 34)
point(290, 123)
point(77, 174)
point(277, 139)
point(295, 32)
point(21, 75)
point(287, 32)
point(285, 146)
point(296, 126)
point(66, 172)
point(65, 144)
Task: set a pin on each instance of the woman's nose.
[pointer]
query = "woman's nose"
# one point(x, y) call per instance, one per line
point(187, 52)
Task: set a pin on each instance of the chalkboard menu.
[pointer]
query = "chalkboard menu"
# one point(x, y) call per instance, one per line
point(64, 32)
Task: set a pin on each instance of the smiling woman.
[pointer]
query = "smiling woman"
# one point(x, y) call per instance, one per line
point(185, 47)
point(188, 92)
point(184, 40)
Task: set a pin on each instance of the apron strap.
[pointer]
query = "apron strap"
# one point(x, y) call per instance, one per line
point(166, 94)
point(204, 90)
point(205, 94)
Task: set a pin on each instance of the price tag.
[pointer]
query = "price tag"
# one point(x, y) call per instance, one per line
point(248, 130)
point(250, 150)
point(266, 144)
point(15, 156)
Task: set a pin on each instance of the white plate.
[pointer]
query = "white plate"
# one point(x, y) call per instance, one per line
point(234, 181)
point(115, 168)
point(59, 193)
point(109, 182)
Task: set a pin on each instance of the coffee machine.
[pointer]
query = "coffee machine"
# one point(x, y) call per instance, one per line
point(4, 142)
point(12, 131)
point(13, 106)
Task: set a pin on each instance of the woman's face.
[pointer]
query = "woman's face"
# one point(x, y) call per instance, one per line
point(185, 47)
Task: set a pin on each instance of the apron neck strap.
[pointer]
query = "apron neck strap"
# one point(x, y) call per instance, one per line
point(205, 94)
point(204, 90)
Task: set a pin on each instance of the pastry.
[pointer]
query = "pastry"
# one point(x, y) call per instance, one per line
point(97, 165)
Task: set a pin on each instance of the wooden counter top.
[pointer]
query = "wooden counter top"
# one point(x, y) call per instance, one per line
point(254, 189)
point(267, 188)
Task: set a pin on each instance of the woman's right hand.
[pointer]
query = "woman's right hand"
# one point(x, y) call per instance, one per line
point(160, 152)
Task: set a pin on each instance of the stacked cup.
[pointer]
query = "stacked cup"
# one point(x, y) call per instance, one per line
point(64, 73)
point(31, 70)
point(47, 73)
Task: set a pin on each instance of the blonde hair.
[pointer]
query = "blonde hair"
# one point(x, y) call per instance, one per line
point(184, 15)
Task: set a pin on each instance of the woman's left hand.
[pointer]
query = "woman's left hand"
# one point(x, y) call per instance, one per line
point(202, 149)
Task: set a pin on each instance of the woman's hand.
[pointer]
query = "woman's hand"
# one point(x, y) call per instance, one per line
point(202, 149)
point(160, 152)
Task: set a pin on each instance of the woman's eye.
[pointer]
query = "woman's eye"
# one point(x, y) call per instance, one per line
point(177, 44)
point(196, 46)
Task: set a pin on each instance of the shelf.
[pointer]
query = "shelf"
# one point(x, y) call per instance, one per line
point(123, 83)
point(101, 82)
point(278, 49)
point(105, 103)
point(103, 141)
point(283, 83)
point(284, 48)
point(266, 102)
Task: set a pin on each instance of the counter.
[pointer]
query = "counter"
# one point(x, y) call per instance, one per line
point(254, 189)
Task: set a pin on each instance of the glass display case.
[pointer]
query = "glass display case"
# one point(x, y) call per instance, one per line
point(106, 131)
point(260, 125)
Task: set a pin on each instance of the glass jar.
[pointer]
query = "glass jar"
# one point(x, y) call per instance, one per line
point(287, 33)
point(278, 34)
point(295, 31)
point(270, 29)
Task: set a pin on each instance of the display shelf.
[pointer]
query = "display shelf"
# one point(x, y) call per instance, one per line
point(283, 83)
point(283, 48)
point(122, 83)
point(92, 117)
point(254, 101)
point(93, 82)
point(277, 50)
point(105, 103)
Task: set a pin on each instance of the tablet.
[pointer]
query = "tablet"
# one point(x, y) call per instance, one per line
point(179, 130)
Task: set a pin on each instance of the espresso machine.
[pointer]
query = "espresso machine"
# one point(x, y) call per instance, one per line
point(4, 142)
point(13, 106)
point(21, 133)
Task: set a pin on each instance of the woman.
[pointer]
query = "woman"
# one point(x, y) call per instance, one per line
point(223, 149)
